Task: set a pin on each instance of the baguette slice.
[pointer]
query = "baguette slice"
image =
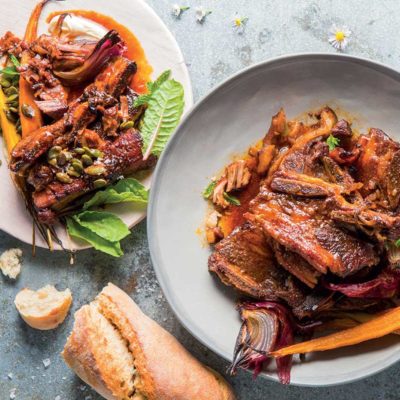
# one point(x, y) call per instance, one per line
point(123, 354)
point(45, 308)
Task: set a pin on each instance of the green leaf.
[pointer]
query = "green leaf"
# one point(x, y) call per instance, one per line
point(162, 116)
point(231, 199)
point(80, 232)
point(125, 190)
point(332, 142)
point(104, 224)
point(14, 60)
point(397, 243)
point(152, 87)
point(134, 187)
point(208, 191)
point(10, 71)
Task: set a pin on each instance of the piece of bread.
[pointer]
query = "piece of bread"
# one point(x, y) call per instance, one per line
point(10, 263)
point(45, 308)
point(123, 354)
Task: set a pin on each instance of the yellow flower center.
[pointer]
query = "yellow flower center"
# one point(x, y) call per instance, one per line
point(238, 21)
point(339, 36)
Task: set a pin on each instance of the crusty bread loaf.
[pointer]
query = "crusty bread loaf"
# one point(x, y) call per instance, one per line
point(123, 354)
point(45, 308)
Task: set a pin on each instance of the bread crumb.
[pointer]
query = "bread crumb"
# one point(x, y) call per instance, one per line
point(10, 263)
point(46, 362)
point(13, 394)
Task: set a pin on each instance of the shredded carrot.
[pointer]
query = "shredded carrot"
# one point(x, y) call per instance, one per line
point(29, 125)
point(379, 326)
point(10, 134)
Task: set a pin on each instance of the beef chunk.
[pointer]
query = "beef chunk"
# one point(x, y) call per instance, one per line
point(245, 261)
point(301, 226)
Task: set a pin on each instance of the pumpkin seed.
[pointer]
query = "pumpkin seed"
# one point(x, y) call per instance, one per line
point(77, 165)
point(98, 183)
point(10, 90)
point(54, 152)
point(61, 159)
point(73, 172)
point(27, 110)
point(63, 177)
point(86, 160)
point(95, 170)
point(97, 153)
point(79, 150)
point(53, 162)
point(5, 83)
point(13, 109)
point(127, 125)
point(68, 155)
point(12, 98)
point(10, 116)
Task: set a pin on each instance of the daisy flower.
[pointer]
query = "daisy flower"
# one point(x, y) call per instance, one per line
point(201, 14)
point(339, 37)
point(239, 24)
point(177, 10)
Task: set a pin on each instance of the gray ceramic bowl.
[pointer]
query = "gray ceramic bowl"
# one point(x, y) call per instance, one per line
point(225, 122)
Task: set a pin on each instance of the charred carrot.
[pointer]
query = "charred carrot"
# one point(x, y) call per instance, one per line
point(26, 98)
point(379, 326)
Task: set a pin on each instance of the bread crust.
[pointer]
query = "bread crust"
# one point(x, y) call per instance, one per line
point(165, 369)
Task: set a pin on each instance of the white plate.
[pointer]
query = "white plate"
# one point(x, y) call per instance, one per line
point(162, 52)
point(227, 121)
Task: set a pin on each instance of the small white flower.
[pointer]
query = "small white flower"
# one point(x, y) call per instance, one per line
point(201, 14)
point(177, 10)
point(339, 37)
point(239, 24)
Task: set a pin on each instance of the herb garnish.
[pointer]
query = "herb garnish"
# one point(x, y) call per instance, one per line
point(332, 142)
point(231, 199)
point(208, 191)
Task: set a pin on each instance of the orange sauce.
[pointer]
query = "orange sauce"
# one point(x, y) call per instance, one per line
point(234, 215)
point(134, 50)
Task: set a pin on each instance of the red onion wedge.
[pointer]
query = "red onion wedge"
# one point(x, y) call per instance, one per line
point(109, 46)
point(267, 326)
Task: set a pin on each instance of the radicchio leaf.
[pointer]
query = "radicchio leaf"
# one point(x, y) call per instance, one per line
point(109, 46)
point(384, 286)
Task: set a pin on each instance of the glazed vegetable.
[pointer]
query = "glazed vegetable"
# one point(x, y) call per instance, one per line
point(32, 121)
point(379, 326)
point(107, 47)
point(266, 326)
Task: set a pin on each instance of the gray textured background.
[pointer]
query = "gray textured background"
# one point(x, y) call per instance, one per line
point(213, 51)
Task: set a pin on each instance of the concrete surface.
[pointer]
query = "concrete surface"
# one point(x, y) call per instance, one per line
point(213, 51)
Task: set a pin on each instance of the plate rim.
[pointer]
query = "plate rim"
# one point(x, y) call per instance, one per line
point(151, 213)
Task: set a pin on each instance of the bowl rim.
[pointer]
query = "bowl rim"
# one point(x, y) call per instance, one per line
point(151, 213)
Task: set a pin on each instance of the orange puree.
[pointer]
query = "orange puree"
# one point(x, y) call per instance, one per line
point(134, 51)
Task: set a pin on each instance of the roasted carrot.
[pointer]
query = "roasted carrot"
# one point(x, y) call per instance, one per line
point(10, 134)
point(379, 326)
point(30, 124)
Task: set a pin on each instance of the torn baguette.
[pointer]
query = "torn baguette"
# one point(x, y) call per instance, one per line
point(123, 354)
point(45, 308)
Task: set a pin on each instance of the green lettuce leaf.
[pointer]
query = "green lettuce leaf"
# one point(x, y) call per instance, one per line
point(163, 113)
point(152, 87)
point(104, 224)
point(125, 190)
point(80, 232)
